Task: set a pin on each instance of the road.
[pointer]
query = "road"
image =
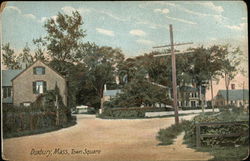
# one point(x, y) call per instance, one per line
point(99, 139)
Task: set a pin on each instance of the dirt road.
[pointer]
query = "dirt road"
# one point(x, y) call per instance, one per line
point(98, 139)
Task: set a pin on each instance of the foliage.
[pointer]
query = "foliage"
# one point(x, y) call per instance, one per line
point(128, 112)
point(139, 91)
point(167, 136)
point(64, 35)
point(99, 69)
point(9, 58)
point(25, 58)
point(225, 116)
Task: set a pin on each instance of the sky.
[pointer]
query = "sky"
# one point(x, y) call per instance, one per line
point(134, 27)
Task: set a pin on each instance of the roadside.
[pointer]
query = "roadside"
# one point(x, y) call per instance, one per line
point(120, 139)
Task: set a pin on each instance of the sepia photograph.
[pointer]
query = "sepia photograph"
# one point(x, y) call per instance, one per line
point(124, 81)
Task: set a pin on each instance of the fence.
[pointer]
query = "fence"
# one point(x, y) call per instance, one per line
point(199, 136)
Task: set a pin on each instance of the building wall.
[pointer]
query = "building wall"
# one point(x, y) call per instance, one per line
point(23, 84)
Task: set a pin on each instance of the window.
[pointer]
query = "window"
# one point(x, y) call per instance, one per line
point(193, 104)
point(6, 92)
point(39, 70)
point(39, 87)
point(26, 104)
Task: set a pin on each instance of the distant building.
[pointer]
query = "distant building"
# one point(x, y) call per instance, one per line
point(23, 87)
point(189, 96)
point(237, 97)
point(109, 94)
point(7, 90)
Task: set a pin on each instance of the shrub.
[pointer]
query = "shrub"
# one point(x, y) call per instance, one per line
point(167, 136)
point(132, 112)
point(225, 116)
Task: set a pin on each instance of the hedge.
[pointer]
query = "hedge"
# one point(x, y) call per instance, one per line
point(132, 112)
point(18, 119)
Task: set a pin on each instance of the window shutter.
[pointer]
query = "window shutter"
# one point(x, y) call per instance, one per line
point(34, 87)
point(43, 70)
point(34, 70)
point(44, 86)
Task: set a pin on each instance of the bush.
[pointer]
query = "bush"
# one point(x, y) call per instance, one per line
point(132, 112)
point(32, 118)
point(167, 136)
point(225, 116)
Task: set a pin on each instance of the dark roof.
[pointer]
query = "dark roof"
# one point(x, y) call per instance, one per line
point(188, 89)
point(8, 75)
point(235, 94)
point(111, 92)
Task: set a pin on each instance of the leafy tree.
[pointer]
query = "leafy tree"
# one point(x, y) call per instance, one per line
point(100, 68)
point(139, 91)
point(230, 64)
point(64, 35)
point(25, 58)
point(9, 58)
point(40, 50)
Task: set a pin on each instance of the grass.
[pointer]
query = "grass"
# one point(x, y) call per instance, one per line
point(226, 153)
point(37, 131)
point(220, 153)
point(167, 136)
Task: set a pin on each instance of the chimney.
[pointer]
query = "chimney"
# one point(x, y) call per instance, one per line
point(232, 86)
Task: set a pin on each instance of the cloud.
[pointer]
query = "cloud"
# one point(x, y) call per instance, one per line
point(30, 16)
point(68, 10)
point(212, 6)
point(145, 42)
point(181, 20)
point(162, 11)
point(13, 8)
point(137, 32)
point(240, 27)
point(105, 32)
point(112, 15)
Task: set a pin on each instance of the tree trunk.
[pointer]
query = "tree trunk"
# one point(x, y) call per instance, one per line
point(227, 81)
point(212, 94)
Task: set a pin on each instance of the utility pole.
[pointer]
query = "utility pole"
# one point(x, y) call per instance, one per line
point(173, 69)
point(243, 94)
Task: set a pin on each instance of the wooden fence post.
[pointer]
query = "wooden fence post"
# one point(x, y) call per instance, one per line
point(198, 137)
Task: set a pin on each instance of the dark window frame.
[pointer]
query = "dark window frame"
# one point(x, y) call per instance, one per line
point(35, 70)
point(44, 85)
point(7, 91)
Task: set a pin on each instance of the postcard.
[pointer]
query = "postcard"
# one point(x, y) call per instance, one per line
point(124, 81)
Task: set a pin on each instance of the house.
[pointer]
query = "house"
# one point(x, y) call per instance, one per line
point(29, 83)
point(109, 94)
point(188, 96)
point(7, 90)
point(237, 97)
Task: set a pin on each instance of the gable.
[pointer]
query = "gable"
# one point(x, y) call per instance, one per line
point(38, 63)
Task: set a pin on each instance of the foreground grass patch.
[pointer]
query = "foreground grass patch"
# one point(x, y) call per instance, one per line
point(167, 136)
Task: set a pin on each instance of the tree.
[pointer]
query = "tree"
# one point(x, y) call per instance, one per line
point(139, 91)
point(230, 64)
point(25, 58)
point(100, 68)
point(40, 50)
point(64, 35)
point(9, 58)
